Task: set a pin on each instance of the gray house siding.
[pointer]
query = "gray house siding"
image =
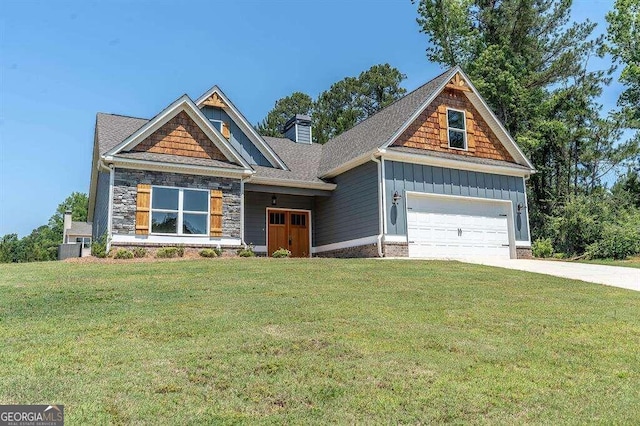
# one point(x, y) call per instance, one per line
point(101, 211)
point(238, 140)
point(403, 177)
point(304, 133)
point(351, 212)
point(255, 213)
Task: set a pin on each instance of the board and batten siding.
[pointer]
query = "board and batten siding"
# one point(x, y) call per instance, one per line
point(255, 213)
point(351, 211)
point(101, 210)
point(404, 177)
point(238, 140)
point(304, 134)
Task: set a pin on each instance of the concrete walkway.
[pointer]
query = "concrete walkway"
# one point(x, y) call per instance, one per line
point(616, 276)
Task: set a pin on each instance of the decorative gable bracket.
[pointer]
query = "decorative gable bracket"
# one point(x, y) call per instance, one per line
point(214, 101)
point(458, 83)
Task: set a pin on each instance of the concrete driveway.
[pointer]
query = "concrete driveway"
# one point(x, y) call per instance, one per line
point(615, 276)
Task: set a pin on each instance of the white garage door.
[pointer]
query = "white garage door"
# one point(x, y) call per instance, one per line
point(450, 227)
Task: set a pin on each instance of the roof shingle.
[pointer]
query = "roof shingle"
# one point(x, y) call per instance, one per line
point(377, 129)
point(113, 129)
point(301, 159)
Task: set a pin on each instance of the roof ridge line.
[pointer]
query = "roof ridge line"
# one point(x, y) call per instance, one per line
point(122, 115)
point(391, 104)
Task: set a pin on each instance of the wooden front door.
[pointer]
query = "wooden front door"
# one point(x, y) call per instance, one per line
point(290, 230)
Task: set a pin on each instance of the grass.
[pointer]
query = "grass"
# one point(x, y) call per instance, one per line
point(632, 262)
point(316, 341)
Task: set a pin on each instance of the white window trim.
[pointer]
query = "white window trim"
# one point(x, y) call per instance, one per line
point(464, 131)
point(180, 212)
point(83, 240)
point(215, 120)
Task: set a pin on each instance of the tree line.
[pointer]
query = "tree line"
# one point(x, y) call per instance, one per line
point(339, 108)
point(42, 243)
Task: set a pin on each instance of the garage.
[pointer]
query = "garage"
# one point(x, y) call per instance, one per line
point(446, 227)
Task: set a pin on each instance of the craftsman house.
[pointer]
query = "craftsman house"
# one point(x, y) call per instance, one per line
point(433, 175)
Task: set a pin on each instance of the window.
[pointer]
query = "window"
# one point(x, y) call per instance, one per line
point(179, 211)
point(457, 129)
point(85, 241)
point(276, 219)
point(298, 219)
point(217, 124)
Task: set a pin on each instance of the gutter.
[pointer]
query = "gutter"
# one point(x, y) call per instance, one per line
point(127, 163)
point(260, 180)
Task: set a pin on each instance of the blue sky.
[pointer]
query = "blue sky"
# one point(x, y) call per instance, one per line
point(61, 62)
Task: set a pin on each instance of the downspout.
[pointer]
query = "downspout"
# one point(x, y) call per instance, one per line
point(242, 179)
point(380, 205)
point(110, 214)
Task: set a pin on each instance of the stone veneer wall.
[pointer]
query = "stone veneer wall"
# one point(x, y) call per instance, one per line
point(396, 249)
point(369, 250)
point(523, 253)
point(125, 193)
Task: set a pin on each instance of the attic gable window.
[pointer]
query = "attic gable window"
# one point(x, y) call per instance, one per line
point(457, 129)
point(217, 124)
point(222, 127)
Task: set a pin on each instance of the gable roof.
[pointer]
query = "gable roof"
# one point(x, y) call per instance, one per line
point(112, 129)
point(301, 159)
point(375, 131)
point(80, 228)
point(244, 125)
point(183, 103)
point(380, 130)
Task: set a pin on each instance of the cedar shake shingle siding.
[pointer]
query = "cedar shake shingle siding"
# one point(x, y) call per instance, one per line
point(181, 136)
point(425, 132)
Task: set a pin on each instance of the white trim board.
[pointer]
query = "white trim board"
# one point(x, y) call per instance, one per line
point(135, 164)
point(346, 244)
point(260, 180)
point(395, 238)
point(173, 240)
point(333, 246)
point(449, 163)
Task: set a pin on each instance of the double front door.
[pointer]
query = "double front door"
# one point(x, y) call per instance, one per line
point(288, 229)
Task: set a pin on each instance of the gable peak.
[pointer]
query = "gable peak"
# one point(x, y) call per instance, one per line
point(458, 82)
point(215, 100)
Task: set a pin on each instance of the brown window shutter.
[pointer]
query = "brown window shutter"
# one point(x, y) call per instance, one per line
point(216, 213)
point(471, 140)
point(442, 117)
point(225, 130)
point(143, 201)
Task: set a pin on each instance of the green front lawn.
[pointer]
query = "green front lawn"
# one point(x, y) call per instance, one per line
point(632, 262)
point(316, 341)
